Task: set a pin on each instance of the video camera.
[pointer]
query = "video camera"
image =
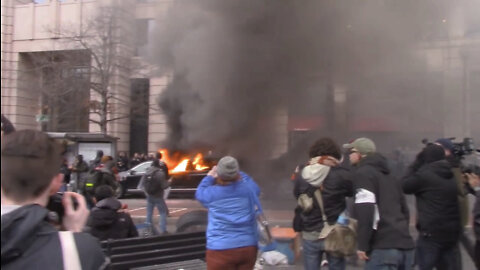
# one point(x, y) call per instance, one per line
point(466, 147)
point(460, 149)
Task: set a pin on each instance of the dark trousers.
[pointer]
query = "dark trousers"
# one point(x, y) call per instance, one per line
point(232, 259)
point(431, 254)
point(477, 254)
point(390, 259)
point(312, 256)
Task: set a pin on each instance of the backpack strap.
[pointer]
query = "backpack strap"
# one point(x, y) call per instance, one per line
point(71, 260)
point(318, 196)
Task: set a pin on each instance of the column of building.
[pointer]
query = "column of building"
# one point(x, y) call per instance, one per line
point(7, 80)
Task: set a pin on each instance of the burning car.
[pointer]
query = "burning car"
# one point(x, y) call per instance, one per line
point(185, 172)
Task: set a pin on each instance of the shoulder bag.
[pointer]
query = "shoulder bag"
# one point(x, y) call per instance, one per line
point(340, 239)
point(71, 259)
point(265, 238)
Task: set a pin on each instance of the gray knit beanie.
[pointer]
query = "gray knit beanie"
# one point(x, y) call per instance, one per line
point(227, 168)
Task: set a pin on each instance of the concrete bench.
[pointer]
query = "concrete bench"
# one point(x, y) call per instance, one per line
point(155, 250)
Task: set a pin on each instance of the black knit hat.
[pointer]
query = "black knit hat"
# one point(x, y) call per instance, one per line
point(433, 153)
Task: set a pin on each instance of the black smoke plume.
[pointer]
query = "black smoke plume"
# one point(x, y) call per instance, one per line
point(238, 65)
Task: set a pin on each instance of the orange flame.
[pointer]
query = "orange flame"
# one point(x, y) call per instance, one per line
point(181, 163)
point(181, 167)
point(198, 163)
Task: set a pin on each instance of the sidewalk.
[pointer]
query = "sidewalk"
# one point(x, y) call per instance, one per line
point(277, 218)
point(277, 214)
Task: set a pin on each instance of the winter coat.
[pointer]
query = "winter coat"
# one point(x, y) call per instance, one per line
point(380, 207)
point(336, 186)
point(29, 241)
point(80, 172)
point(80, 167)
point(435, 188)
point(122, 163)
point(476, 216)
point(231, 215)
point(106, 222)
point(108, 177)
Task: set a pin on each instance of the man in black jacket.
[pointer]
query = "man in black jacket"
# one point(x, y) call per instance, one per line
point(107, 219)
point(29, 240)
point(474, 181)
point(438, 221)
point(321, 174)
point(383, 219)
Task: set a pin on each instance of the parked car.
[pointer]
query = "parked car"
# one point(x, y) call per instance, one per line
point(182, 185)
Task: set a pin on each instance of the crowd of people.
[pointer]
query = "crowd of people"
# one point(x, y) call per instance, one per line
point(329, 177)
point(78, 170)
point(384, 240)
point(32, 236)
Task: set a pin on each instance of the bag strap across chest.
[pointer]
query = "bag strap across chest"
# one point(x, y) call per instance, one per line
point(71, 260)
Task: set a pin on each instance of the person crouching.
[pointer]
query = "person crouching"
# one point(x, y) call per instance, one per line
point(108, 220)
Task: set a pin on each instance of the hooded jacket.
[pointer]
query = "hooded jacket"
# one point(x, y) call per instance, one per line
point(476, 216)
point(435, 189)
point(231, 214)
point(335, 183)
point(29, 241)
point(105, 222)
point(380, 207)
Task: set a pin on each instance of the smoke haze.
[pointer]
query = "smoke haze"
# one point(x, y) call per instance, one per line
point(236, 64)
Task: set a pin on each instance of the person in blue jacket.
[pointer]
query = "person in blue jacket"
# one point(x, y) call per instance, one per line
point(232, 238)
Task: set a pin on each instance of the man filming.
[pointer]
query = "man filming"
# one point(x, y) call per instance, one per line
point(454, 157)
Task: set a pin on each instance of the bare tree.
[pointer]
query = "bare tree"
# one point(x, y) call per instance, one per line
point(102, 55)
point(109, 40)
point(60, 79)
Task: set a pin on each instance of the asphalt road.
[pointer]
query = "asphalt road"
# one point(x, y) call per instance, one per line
point(279, 212)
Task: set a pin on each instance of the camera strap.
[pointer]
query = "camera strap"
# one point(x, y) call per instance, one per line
point(71, 260)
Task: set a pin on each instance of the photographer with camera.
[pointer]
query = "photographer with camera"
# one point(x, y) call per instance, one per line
point(431, 180)
point(454, 154)
point(30, 163)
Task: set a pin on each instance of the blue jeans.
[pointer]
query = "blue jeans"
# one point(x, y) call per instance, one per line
point(431, 254)
point(162, 210)
point(312, 256)
point(390, 259)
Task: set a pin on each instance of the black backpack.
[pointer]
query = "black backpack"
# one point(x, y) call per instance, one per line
point(154, 181)
point(93, 180)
